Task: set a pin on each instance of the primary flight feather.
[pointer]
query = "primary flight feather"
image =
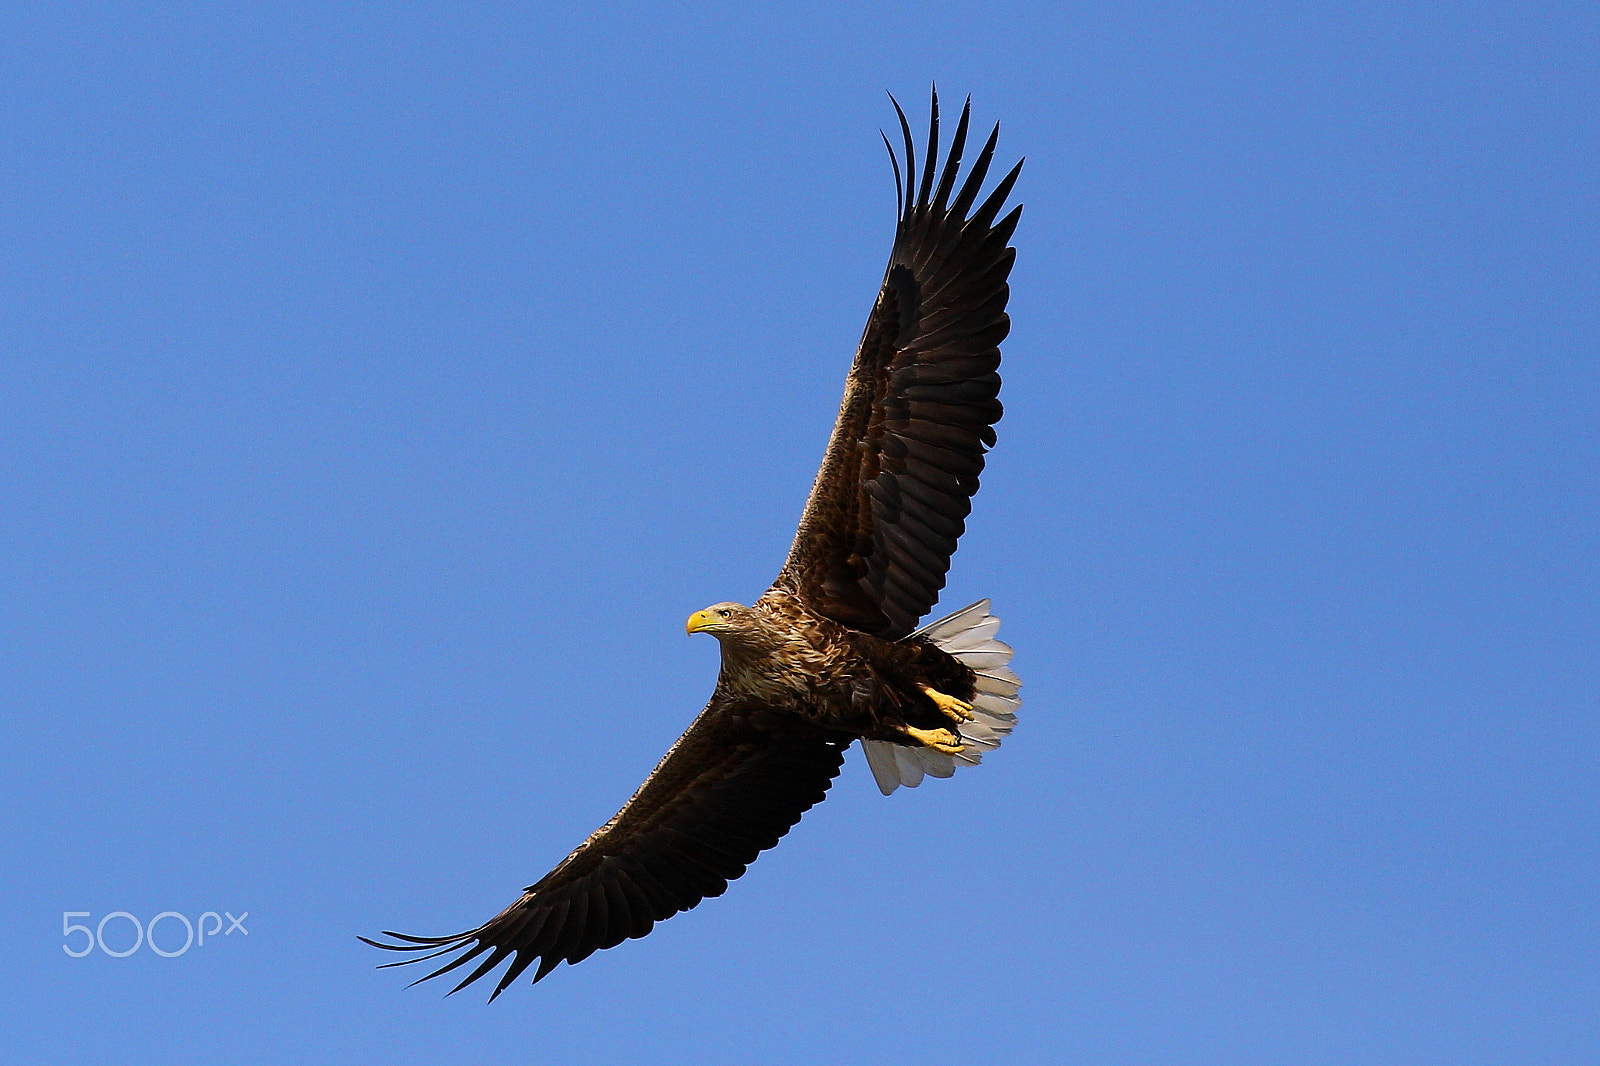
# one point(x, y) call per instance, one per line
point(829, 654)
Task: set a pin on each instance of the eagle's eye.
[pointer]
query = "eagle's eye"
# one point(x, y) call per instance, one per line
point(725, 613)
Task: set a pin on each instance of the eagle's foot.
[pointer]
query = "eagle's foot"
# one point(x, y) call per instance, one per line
point(953, 709)
point(937, 739)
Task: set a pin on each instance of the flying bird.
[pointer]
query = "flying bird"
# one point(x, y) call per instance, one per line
point(830, 654)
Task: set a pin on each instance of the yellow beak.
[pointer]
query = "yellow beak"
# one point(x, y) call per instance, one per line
point(700, 621)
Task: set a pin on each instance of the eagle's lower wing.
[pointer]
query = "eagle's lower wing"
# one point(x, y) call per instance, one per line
point(920, 402)
point(724, 793)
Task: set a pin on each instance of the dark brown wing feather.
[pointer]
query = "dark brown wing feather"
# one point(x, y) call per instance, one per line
point(920, 402)
point(723, 794)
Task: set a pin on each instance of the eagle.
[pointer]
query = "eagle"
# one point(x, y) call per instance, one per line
point(830, 654)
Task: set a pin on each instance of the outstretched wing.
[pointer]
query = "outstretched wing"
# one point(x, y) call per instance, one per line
point(920, 402)
point(723, 794)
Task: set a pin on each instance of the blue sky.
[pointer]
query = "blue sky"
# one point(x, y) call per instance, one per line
point(385, 384)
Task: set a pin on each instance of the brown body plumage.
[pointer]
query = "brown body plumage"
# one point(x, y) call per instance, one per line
point(827, 656)
point(782, 660)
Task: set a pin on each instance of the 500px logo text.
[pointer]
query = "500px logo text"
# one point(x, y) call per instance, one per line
point(194, 933)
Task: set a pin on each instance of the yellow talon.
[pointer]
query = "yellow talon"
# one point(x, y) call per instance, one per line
point(937, 739)
point(954, 709)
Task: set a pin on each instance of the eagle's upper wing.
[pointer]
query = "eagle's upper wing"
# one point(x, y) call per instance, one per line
point(724, 793)
point(920, 402)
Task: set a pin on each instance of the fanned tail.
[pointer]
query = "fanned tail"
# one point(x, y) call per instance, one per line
point(968, 634)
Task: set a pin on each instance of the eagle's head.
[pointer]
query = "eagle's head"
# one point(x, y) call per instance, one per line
point(743, 631)
point(724, 620)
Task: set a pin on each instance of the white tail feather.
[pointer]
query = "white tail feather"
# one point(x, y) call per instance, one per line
point(968, 634)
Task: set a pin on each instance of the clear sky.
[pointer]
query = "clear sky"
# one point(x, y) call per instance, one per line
point(384, 384)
